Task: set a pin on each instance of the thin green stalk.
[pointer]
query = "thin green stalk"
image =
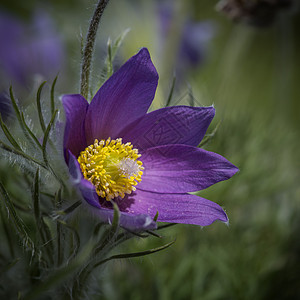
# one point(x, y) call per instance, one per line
point(52, 95)
point(135, 254)
point(46, 136)
point(69, 209)
point(30, 132)
point(58, 202)
point(39, 107)
point(89, 48)
point(19, 117)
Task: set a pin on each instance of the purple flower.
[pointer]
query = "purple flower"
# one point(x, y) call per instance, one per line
point(29, 49)
point(193, 39)
point(144, 162)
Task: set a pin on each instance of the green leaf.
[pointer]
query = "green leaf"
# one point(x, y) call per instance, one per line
point(112, 51)
point(36, 198)
point(20, 153)
point(67, 210)
point(45, 242)
point(109, 234)
point(52, 102)
point(109, 60)
point(15, 219)
point(48, 240)
point(154, 234)
point(58, 277)
point(20, 119)
point(15, 106)
point(8, 135)
point(116, 218)
point(135, 254)
point(118, 43)
point(46, 137)
point(58, 202)
point(8, 235)
point(97, 228)
point(39, 107)
point(59, 247)
point(37, 142)
point(76, 245)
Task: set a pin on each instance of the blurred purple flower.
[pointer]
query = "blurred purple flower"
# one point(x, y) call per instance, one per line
point(29, 49)
point(144, 162)
point(194, 37)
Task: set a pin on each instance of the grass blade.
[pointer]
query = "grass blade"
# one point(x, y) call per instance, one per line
point(135, 254)
point(46, 137)
point(39, 107)
point(52, 103)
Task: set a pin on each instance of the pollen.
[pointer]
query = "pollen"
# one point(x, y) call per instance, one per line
point(112, 167)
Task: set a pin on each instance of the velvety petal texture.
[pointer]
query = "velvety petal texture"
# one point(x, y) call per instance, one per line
point(123, 98)
point(75, 109)
point(177, 208)
point(182, 168)
point(167, 140)
point(170, 125)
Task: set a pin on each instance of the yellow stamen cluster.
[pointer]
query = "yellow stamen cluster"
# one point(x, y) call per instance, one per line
point(112, 167)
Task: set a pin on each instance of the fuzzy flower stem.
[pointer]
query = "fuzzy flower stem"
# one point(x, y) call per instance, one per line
point(89, 48)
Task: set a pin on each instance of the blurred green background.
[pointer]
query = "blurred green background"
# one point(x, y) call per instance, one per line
point(251, 75)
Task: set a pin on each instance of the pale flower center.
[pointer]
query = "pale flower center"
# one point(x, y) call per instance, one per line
point(112, 167)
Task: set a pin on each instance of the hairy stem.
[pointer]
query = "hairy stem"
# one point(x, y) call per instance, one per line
point(89, 48)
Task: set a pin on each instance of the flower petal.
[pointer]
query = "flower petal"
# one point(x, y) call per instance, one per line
point(170, 125)
point(177, 208)
point(123, 98)
point(131, 222)
point(87, 189)
point(182, 168)
point(75, 109)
